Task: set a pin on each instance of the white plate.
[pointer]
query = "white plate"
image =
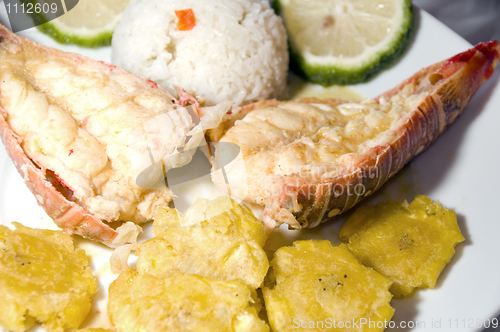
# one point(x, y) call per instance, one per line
point(459, 170)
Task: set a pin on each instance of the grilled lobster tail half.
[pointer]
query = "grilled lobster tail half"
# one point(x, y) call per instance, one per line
point(90, 139)
point(414, 114)
point(450, 85)
point(69, 216)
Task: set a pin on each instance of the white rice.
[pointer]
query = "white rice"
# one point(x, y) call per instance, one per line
point(236, 51)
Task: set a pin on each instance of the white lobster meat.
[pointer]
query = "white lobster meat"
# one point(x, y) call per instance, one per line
point(82, 132)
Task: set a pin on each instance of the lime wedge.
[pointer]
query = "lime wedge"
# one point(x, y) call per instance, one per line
point(90, 23)
point(344, 41)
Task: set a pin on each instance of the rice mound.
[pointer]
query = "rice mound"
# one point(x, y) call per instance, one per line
point(236, 51)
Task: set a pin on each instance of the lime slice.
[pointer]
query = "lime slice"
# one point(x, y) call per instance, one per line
point(90, 23)
point(344, 41)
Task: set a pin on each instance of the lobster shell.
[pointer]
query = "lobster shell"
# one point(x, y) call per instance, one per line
point(306, 200)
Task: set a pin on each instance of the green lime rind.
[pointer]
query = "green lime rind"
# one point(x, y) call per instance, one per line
point(102, 39)
point(341, 75)
point(48, 28)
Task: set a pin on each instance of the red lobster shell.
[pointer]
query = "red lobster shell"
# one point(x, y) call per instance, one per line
point(305, 199)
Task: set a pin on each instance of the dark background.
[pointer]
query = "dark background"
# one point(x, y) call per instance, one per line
point(474, 20)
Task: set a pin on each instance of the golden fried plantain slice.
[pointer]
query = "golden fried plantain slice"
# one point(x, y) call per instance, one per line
point(408, 243)
point(313, 282)
point(218, 239)
point(43, 278)
point(182, 302)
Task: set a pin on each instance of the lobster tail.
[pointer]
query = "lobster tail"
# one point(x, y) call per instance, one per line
point(444, 90)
